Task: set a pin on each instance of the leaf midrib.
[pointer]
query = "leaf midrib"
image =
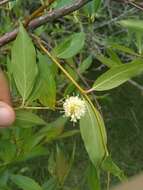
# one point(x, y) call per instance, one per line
point(112, 77)
point(24, 69)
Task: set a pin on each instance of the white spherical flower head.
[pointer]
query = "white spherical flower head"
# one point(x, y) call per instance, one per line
point(74, 107)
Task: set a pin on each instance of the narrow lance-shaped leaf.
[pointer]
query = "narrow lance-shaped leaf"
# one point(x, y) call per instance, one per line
point(71, 46)
point(47, 90)
point(51, 184)
point(92, 7)
point(25, 183)
point(7, 151)
point(118, 75)
point(27, 119)
point(114, 56)
point(94, 135)
point(85, 64)
point(134, 25)
point(24, 63)
point(93, 178)
point(106, 61)
point(122, 48)
point(109, 166)
point(54, 129)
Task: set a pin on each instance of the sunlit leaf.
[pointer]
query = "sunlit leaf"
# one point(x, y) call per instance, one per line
point(118, 75)
point(71, 46)
point(93, 134)
point(24, 63)
point(47, 89)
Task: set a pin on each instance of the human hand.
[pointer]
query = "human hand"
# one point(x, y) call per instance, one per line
point(7, 115)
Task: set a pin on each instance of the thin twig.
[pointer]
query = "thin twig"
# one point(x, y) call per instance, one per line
point(49, 17)
point(140, 87)
point(36, 108)
point(59, 65)
point(87, 85)
point(113, 20)
point(135, 5)
point(108, 180)
point(82, 91)
point(37, 12)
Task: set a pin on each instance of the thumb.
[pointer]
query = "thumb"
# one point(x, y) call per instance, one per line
point(7, 115)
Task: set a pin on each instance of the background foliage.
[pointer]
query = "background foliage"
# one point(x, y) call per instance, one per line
point(100, 47)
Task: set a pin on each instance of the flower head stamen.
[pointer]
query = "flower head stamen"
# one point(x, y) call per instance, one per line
point(74, 107)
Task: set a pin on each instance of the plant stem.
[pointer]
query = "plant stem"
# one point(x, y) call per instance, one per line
point(37, 12)
point(63, 70)
point(108, 180)
point(35, 108)
point(83, 92)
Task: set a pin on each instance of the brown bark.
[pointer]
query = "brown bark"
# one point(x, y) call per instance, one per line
point(49, 17)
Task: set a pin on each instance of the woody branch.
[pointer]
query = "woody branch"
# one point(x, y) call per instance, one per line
point(49, 17)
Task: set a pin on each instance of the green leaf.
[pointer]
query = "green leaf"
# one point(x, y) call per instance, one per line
point(24, 63)
point(7, 151)
point(69, 89)
point(85, 64)
point(93, 178)
point(122, 48)
point(4, 177)
point(109, 166)
point(71, 46)
point(69, 133)
point(118, 75)
point(48, 85)
point(62, 165)
point(25, 183)
point(112, 54)
point(62, 3)
point(44, 83)
point(94, 135)
point(51, 184)
point(135, 25)
point(92, 8)
point(36, 91)
point(35, 152)
point(106, 61)
point(28, 119)
point(53, 129)
point(96, 4)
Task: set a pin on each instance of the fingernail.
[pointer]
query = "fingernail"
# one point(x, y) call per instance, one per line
point(7, 115)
